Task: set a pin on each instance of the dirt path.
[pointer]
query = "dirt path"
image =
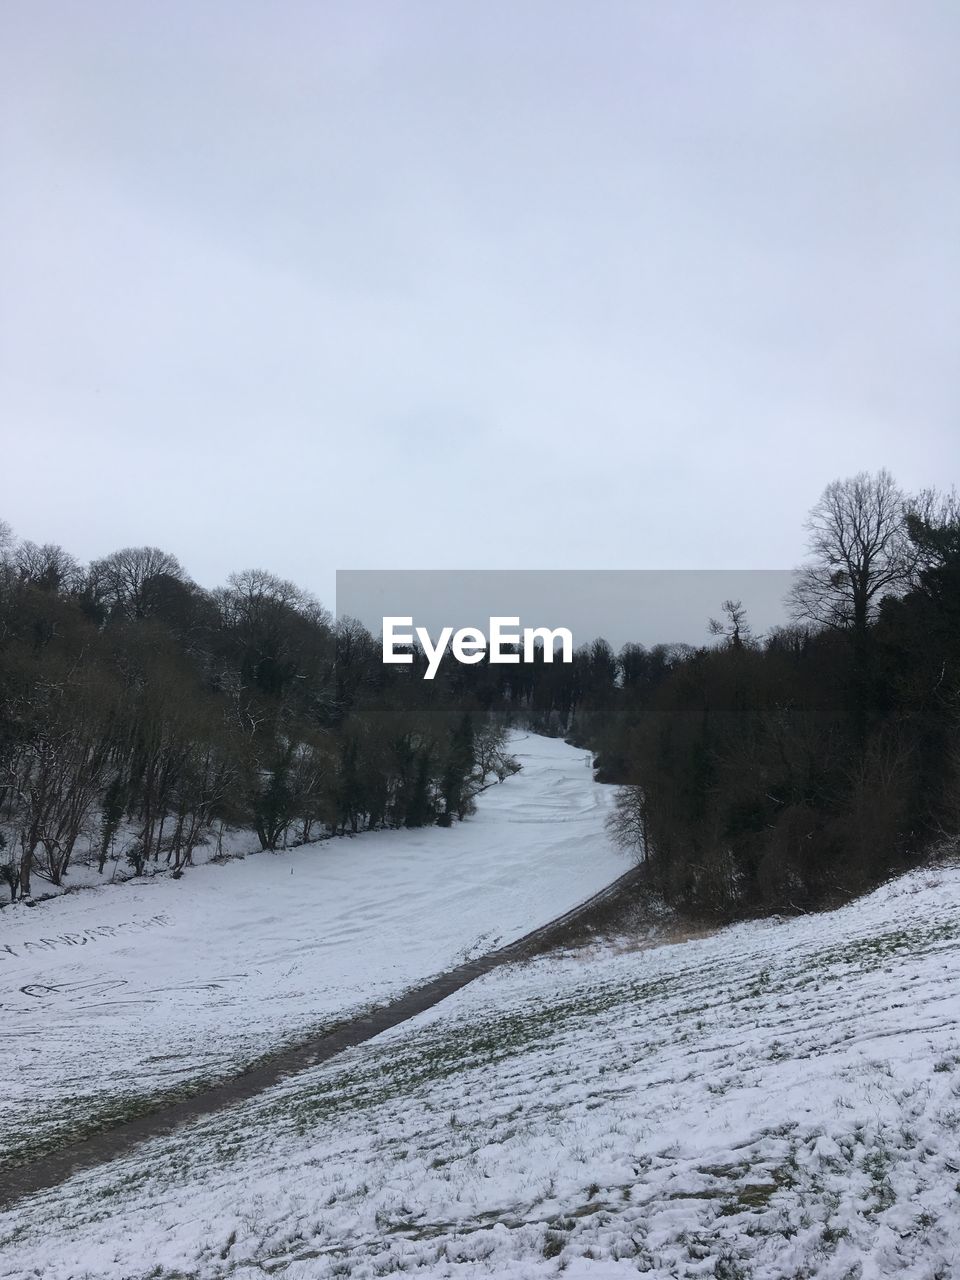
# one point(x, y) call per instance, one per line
point(51, 1169)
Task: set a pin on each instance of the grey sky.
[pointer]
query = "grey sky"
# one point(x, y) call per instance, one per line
point(644, 606)
point(387, 285)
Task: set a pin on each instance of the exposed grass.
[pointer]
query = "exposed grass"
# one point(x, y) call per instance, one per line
point(574, 1070)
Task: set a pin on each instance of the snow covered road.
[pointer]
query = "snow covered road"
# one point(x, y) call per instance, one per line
point(132, 991)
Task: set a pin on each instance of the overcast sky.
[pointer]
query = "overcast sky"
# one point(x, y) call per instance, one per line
point(401, 285)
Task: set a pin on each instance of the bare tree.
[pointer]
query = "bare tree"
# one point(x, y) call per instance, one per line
point(858, 536)
point(49, 567)
point(736, 630)
point(628, 824)
point(7, 544)
point(58, 777)
point(933, 523)
point(490, 751)
point(127, 582)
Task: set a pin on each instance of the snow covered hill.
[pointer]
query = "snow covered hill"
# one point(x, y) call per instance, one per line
point(134, 990)
point(778, 1100)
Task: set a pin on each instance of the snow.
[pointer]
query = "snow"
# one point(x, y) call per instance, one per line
point(778, 1100)
point(175, 981)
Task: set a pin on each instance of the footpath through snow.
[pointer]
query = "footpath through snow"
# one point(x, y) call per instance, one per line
point(780, 1101)
point(132, 991)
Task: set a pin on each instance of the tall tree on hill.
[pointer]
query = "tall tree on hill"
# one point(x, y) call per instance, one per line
point(862, 551)
point(128, 583)
point(736, 629)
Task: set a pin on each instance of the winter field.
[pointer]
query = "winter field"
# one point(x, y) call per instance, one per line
point(115, 997)
point(778, 1100)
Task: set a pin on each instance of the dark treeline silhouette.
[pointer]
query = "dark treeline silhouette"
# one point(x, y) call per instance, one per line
point(139, 713)
point(769, 773)
point(784, 772)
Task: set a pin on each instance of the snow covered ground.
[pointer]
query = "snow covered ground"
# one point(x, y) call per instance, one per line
point(778, 1100)
point(136, 989)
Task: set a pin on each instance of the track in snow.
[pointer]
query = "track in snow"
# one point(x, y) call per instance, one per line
point(54, 1168)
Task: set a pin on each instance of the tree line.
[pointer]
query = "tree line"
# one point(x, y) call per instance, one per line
point(782, 772)
point(141, 714)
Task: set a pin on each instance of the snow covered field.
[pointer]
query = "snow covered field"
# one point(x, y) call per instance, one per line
point(778, 1100)
point(135, 989)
